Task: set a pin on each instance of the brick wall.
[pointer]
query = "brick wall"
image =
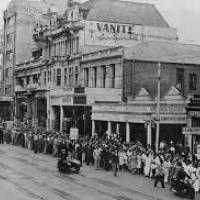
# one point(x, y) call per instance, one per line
point(140, 74)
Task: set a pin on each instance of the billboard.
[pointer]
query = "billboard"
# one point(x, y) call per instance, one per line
point(118, 34)
point(111, 34)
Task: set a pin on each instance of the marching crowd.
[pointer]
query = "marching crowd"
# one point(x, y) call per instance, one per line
point(104, 152)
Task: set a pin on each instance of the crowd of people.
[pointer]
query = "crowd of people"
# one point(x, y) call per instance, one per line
point(104, 153)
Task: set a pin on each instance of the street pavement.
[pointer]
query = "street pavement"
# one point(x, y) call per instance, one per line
point(28, 176)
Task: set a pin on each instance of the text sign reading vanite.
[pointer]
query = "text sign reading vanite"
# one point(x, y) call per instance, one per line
point(191, 131)
point(114, 34)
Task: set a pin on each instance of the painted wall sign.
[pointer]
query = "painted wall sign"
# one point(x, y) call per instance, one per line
point(114, 34)
point(118, 34)
point(191, 130)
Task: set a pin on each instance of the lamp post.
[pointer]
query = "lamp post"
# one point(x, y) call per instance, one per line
point(158, 108)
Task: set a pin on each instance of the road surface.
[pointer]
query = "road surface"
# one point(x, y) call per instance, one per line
point(28, 176)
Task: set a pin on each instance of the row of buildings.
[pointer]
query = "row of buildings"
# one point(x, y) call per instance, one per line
point(96, 66)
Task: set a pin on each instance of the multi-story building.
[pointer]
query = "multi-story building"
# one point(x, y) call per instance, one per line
point(135, 71)
point(20, 19)
point(54, 84)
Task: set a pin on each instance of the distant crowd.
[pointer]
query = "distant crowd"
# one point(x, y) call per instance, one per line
point(99, 152)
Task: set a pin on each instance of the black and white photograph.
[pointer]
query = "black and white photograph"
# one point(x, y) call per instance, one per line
point(99, 99)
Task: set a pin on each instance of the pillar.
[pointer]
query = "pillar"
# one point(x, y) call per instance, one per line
point(100, 77)
point(51, 118)
point(127, 132)
point(61, 118)
point(108, 76)
point(48, 113)
point(118, 76)
point(91, 77)
point(93, 128)
point(149, 135)
point(109, 128)
point(117, 129)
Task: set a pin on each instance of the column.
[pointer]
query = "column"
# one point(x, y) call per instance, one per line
point(48, 112)
point(118, 76)
point(108, 76)
point(61, 118)
point(100, 77)
point(189, 137)
point(127, 132)
point(117, 129)
point(52, 117)
point(109, 129)
point(24, 82)
point(91, 77)
point(93, 128)
point(149, 135)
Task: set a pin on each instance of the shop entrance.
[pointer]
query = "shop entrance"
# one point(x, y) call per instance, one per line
point(138, 133)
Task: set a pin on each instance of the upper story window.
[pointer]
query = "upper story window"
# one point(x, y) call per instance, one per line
point(9, 56)
point(104, 76)
point(95, 77)
point(65, 76)
point(11, 20)
point(45, 78)
point(113, 75)
point(10, 38)
point(49, 76)
point(36, 78)
point(70, 75)
point(76, 75)
point(58, 75)
point(54, 75)
point(180, 78)
point(86, 77)
point(193, 81)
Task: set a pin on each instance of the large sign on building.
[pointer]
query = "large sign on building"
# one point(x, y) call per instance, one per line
point(110, 34)
point(118, 34)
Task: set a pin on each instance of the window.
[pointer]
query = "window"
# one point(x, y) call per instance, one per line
point(54, 75)
point(10, 38)
point(70, 75)
point(180, 79)
point(65, 76)
point(27, 80)
point(6, 72)
point(193, 81)
point(45, 78)
point(10, 21)
point(104, 76)
point(36, 78)
point(95, 77)
point(76, 75)
point(58, 81)
point(20, 82)
point(77, 45)
point(49, 76)
point(113, 76)
point(9, 55)
point(86, 77)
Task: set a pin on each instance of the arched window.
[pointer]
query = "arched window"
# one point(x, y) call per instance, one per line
point(58, 74)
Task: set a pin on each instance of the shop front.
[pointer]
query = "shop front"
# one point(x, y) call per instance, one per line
point(136, 120)
point(31, 106)
point(70, 111)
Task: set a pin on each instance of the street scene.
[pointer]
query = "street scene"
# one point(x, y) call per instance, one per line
point(99, 99)
point(24, 175)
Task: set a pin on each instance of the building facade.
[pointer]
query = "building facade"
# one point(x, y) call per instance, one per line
point(20, 18)
point(135, 116)
point(59, 69)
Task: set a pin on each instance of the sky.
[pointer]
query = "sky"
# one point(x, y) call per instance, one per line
point(184, 15)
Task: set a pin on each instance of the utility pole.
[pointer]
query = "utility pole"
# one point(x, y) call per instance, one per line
point(158, 108)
